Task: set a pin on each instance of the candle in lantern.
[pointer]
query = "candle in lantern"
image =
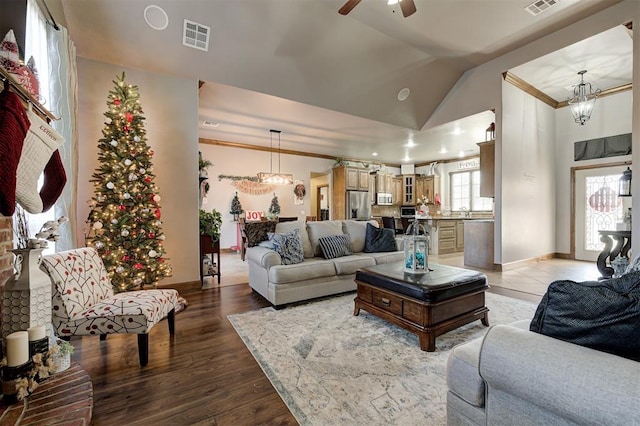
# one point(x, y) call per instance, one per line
point(37, 332)
point(17, 348)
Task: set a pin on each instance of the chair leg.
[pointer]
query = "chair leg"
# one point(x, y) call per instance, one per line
point(143, 348)
point(103, 337)
point(171, 319)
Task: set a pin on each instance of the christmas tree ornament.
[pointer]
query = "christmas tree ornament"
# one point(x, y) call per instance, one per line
point(121, 207)
point(133, 176)
point(116, 102)
point(110, 185)
point(156, 198)
point(274, 208)
point(124, 233)
point(14, 123)
point(114, 221)
point(98, 244)
point(114, 143)
point(97, 225)
point(142, 171)
point(127, 162)
point(119, 269)
point(136, 138)
point(126, 195)
point(157, 214)
point(153, 253)
point(107, 121)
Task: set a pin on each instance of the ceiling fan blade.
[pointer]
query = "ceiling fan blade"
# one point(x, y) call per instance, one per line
point(348, 6)
point(408, 7)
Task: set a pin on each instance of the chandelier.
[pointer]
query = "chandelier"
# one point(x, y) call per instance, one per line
point(271, 177)
point(583, 100)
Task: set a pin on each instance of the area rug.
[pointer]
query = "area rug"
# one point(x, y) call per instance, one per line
point(333, 368)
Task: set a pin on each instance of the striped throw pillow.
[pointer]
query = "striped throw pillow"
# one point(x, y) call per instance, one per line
point(335, 246)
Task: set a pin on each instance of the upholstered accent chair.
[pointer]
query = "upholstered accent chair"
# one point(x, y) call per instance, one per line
point(84, 304)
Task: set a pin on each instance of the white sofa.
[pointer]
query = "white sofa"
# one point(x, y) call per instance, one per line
point(315, 276)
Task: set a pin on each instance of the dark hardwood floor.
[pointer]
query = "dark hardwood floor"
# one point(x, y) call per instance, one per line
point(205, 375)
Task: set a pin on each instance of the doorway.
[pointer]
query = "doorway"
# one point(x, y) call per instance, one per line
point(597, 207)
point(323, 202)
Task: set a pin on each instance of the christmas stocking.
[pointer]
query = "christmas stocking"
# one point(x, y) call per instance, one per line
point(39, 145)
point(14, 125)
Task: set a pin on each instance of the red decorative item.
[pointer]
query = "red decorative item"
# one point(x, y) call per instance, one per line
point(129, 117)
point(126, 128)
point(122, 207)
point(147, 179)
point(126, 258)
point(116, 102)
point(138, 266)
point(157, 214)
point(161, 259)
point(133, 152)
point(151, 235)
point(151, 152)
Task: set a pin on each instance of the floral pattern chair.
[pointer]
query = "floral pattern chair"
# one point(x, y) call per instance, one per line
point(83, 301)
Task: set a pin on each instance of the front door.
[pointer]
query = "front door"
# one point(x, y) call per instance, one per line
point(598, 207)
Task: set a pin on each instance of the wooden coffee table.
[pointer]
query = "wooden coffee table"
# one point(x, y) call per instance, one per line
point(428, 304)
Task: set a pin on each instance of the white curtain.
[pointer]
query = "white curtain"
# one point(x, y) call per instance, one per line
point(63, 85)
point(36, 46)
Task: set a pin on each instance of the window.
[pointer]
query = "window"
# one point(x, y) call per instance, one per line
point(465, 192)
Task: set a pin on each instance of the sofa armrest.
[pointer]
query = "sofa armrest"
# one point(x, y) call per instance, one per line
point(576, 383)
point(263, 256)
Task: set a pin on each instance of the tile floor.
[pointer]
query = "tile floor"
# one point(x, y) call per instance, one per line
point(530, 279)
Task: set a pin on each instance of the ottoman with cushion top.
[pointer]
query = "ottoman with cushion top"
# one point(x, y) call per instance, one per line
point(427, 304)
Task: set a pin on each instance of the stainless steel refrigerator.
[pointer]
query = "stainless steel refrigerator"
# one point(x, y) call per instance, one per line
point(358, 205)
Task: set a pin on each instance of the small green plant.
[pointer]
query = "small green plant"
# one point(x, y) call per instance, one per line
point(204, 164)
point(210, 223)
point(64, 348)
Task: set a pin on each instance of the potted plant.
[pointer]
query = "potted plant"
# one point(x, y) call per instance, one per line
point(203, 165)
point(61, 355)
point(210, 223)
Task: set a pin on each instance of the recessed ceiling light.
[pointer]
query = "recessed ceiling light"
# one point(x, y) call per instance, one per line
point(156, 17)
point(461, 154)
point(403, 94)
point(410, 144)
point(375, 154)
point(443, 150)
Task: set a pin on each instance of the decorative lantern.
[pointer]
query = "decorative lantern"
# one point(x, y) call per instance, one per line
point(625, 184)
point(416, 248)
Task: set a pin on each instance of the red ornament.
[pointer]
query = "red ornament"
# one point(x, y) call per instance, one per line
point(126, 258)
point(157, 213)
point(151, 152)
point(161, 260)
point(138, 266)
point(151, 235)
point(129, 117)
point(139, 196)
point(147, 179)
point(116, 102)
point(121, 207)
point(126, 128)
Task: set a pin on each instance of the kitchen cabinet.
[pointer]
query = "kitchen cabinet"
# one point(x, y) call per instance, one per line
point(450, 236)
point(346, 179)
point(487, 168)
point(427, 186)
point(408, 190)
point(396, 191)
point(384, 183)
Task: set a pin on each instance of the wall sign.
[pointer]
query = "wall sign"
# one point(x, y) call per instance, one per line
point(473, 163)
point(254, 215)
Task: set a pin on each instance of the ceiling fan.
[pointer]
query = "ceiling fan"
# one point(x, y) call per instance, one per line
point(408, 7)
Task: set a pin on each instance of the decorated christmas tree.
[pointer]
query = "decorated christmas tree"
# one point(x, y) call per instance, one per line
point(274, 209)
point(124, 223)
point(236, 207)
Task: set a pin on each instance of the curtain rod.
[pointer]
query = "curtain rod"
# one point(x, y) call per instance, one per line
point(51, 21)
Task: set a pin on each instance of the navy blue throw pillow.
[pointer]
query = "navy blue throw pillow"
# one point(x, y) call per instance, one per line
point(602, 315)
point(379, 240)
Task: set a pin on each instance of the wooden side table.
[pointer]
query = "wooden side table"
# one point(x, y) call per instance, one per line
point(207, 247)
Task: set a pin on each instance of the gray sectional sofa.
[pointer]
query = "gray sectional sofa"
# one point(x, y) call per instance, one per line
point(513, 376)
point(315, 276)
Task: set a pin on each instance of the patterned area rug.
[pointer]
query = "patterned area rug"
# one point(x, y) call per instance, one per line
point(332, 368)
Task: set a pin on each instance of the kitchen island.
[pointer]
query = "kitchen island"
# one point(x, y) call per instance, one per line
point(447, 233)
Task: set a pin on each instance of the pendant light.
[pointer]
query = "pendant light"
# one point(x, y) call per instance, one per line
point(584, 97)
point(271, 177)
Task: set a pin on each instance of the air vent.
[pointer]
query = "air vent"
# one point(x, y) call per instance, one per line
point(540, 6)
point(209, 123)
point(196, 35)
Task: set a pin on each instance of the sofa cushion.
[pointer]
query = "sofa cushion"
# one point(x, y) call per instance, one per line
point(463, 374)
point(357, 231)
point(385, 256)
point(284, 227)
point(602, 315)
point(325, 228)
point(288, 246)
point(335, 246)
point(257, 231)
point(379, 240)
point(350, 264)
point(305, 271)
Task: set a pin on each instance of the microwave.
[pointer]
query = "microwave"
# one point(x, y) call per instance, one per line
point(408, 211)
point(383, 199)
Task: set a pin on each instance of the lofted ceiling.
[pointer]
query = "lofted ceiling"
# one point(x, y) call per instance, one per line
point(329, 82)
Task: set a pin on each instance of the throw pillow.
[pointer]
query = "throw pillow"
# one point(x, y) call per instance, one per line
point(257, 231)
point(634, 266)
point(288, 246)
point(602, 315)
point(335, 246)
point(379, 240)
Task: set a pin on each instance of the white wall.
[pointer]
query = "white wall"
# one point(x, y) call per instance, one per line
point(245, 162)
point(528, 196)
point(170, 106)
point(612, 115)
